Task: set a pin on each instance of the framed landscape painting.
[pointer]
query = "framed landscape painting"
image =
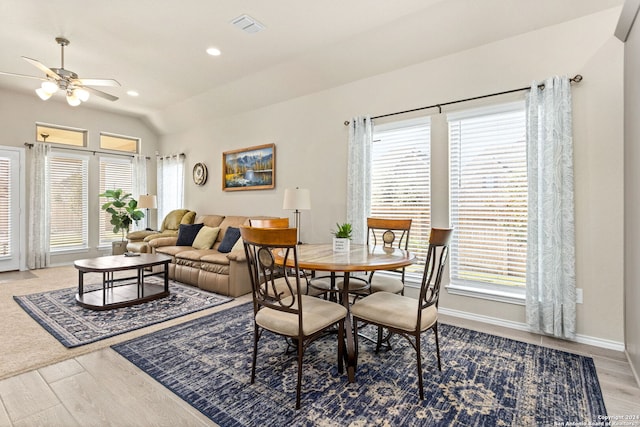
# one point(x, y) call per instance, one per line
point(252, 168)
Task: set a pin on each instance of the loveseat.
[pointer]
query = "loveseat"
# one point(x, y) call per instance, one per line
point(139, 240)
point(224, 273)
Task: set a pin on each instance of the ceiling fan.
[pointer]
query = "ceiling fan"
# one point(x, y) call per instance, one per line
point(77, 90)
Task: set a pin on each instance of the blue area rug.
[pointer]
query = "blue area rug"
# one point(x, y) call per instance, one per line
point(58, 313)
point(485, 379)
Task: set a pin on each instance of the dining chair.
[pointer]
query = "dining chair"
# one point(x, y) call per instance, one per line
point(289, 313)
point(406, 316)
point(382, 231)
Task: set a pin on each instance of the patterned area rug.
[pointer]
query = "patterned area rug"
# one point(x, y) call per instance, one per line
point(485, 379)
point(72, 325)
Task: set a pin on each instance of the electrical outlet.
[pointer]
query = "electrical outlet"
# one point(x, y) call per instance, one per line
point(579, 295)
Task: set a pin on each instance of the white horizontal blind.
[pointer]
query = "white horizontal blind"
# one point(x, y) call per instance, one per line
point(400, 180)
point(68, 196)
point(489, 196)
point(115, 173)
point(5, 207)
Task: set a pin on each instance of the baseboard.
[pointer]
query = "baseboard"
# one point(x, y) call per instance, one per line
point(582, 339)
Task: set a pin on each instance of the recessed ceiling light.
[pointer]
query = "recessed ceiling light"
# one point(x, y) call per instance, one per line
point(213, 51)
point(132, 93)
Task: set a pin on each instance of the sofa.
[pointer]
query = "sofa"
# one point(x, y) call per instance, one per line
point(224, 273)
point(139, 240)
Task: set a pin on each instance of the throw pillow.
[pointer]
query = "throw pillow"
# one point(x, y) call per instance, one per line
point(239, 246)
point(206, 237)
point(230, 238)
point(187, 234)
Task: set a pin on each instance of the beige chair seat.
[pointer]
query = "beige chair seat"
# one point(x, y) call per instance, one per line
point(317, 314)
point(360, 284)
point(393, 310)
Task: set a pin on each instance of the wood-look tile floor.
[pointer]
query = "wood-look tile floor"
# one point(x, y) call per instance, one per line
point(104, 389)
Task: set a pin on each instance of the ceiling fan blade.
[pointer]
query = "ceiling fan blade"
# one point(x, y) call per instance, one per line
point(39, 65)
point(100, 93)
point(98, 82)
point(21, 75)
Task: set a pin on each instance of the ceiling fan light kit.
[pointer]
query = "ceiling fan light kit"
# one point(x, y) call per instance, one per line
point(77, 90)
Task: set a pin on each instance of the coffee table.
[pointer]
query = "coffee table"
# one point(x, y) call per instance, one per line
point(115, 296)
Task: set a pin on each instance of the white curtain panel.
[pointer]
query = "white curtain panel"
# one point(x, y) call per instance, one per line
point(359, 176)
point(551, 278)
point(39, 210)
point(139, 172)
point(170, 184)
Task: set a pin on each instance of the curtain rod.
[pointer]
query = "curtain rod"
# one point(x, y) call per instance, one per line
point(30, 146)
point(576, 79)
point(170, 156)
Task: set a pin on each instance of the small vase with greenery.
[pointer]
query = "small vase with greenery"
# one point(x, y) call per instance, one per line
point(123, 209)
point(342, 237)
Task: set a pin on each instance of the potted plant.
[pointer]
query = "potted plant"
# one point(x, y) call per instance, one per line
point(342, 237)
point(124, 212)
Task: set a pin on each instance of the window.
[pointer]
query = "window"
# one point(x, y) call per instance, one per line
point(68, 195)
point(114, 173)
point(400, 180)
point(61, 135)
point(119, 143)
point(489, 199)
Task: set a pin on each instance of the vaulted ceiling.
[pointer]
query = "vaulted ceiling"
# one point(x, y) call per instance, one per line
point(157, 48)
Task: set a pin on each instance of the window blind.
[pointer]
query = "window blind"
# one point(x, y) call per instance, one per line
point(68, 195)
point(400, 180)
point(489, 196)
point(5, 207)
point(115, 173)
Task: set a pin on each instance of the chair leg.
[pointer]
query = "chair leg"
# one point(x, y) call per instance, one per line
point(341, 347)
point(299, 385)
point(379, 340)
point(419, 359)
point(435, 331)
point(255, 352)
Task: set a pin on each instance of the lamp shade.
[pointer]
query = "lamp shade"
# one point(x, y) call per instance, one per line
point(147, 202)
point(297, 199)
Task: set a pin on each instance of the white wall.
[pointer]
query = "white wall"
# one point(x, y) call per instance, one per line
point(632, 201)
point(19, 113)
point(311, 148)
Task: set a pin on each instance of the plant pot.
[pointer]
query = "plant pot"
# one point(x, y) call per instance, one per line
point(341, 244)
point(119, 247)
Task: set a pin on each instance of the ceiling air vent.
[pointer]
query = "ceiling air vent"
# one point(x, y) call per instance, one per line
point(247, 24)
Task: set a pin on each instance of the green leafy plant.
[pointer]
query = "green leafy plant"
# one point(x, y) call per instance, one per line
point(343, 231)
point(123, 209)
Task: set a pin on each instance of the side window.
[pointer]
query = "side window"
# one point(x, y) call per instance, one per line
point(489, 197)
point(114, 173)
point(68, 195)
point(400, 180)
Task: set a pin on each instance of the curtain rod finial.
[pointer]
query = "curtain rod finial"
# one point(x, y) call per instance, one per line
point(346, 122)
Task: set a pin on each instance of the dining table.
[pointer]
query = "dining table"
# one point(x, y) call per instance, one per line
point(358, 258)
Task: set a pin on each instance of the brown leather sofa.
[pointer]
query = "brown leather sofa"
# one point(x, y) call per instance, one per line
point(139, 240)
point(209, 269)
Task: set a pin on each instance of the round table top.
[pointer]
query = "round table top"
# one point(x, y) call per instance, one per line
point(120, 262)
point(321, 257)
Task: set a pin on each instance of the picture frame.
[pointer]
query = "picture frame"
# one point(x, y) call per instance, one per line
point(251, 168)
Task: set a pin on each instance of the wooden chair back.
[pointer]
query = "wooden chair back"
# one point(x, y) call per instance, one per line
point(437, 255)
point(383, 231)
point(269, 222)
point(260, 245)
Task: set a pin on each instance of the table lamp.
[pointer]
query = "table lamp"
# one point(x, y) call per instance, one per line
point(297, 199)
point(147, 202)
